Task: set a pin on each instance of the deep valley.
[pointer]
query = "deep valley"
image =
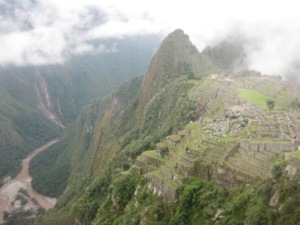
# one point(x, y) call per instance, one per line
point(192, 141)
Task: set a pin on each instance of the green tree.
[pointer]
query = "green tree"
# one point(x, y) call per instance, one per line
point(270, 104)
point(295, 104)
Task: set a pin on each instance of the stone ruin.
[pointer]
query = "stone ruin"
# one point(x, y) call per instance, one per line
point(238, 148)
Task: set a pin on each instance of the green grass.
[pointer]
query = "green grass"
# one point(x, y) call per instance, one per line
point(297, 154)
point(152, 154)
point(255, 98)
point(294, 155)
point(192, 81)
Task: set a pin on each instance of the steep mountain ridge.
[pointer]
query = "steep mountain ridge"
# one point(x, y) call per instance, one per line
point(176, 56)
point(120, 112)
point(113, 179)
point(123, 125)
point(167, 63)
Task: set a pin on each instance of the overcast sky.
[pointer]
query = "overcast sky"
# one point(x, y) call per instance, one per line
point(48, 31)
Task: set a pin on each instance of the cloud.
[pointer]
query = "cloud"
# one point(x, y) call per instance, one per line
point(49, 31)
point(272, 48)
point(38, 46)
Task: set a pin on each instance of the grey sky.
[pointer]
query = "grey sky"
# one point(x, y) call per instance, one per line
point(48, 31)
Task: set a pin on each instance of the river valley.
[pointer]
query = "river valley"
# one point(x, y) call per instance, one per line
point(18, 195)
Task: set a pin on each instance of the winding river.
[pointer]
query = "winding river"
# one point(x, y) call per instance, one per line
point(10, 189)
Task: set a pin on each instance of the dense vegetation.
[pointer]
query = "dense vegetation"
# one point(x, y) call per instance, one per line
point(22, 129)
point(50, 164)
point(70, 152)
point(132, 138)
point(201, 202)
point(129, 201)
point(20, 217)
point(50, 182)
point(72, 87)
point(108, 136)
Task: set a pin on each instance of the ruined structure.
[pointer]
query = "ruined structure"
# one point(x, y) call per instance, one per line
point(233, 143)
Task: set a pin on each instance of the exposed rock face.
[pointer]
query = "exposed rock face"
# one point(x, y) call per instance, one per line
point(292, 170)
point(44, 102)
point(274, 200)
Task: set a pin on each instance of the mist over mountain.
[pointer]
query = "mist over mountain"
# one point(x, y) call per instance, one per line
point(191, 140)
point(228, 55)
point(148, 123)
point(34, 97)
point(50, 32)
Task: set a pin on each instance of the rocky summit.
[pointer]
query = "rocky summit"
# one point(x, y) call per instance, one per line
point(176, 56)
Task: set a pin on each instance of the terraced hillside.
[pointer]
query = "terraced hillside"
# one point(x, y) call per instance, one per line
point(212, 141)
point(233, 142)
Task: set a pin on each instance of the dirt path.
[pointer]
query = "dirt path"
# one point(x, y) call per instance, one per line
point(10, 190)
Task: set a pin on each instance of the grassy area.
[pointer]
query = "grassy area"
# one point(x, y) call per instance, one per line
point(255, 98)
point(294, 155)
point(297, 154)
point(152, 154)
point(193, 81)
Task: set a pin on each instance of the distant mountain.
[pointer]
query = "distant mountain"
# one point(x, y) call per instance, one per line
point(227, 55)
point(36, 101)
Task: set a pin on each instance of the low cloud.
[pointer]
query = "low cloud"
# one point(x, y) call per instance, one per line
point(38, 46)
point(49, 31)
point(272, 48)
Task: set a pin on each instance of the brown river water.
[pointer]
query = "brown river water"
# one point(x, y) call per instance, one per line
point(10, 189)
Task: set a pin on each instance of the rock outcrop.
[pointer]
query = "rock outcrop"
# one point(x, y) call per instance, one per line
point(44, 102)
point(292, 169)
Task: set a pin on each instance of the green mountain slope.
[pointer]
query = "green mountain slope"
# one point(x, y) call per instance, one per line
point(83, 78)
point(129, 123)
point(185, 144)
point(22, 129)
point(31, 97)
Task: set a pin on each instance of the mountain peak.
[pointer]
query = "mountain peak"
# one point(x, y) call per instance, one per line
point(177, 32)
point(178, 43)
point(169, 62)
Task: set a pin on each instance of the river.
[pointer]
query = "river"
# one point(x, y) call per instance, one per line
point(10, 190)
